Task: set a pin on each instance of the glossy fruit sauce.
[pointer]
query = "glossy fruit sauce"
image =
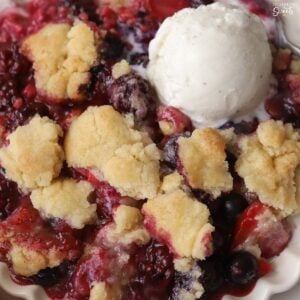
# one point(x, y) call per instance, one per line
point(150, 272)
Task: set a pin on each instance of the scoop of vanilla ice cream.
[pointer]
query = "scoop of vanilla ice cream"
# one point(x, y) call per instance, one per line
point(213, 63)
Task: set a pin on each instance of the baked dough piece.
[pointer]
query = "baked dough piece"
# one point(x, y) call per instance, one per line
point(62, 57)
point(203, 160)
point(181, 222)
point(28, 262)
point(128, 227)
point(66, 199)
point(268, 162)
point(102, 139)
point(33, 157)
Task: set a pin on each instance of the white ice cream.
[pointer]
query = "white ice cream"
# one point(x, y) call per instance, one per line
point(213, 63)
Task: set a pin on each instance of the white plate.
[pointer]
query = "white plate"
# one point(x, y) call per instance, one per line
point(285, 275)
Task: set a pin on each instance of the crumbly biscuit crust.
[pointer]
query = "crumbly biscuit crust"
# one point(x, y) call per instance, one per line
point(28, 262)
point(268, 163)
point(62, 57)
point(203, 161)
point(33, 157)
point(183, 220)
point(104, 140)
point(128, 227)
point(66, 199)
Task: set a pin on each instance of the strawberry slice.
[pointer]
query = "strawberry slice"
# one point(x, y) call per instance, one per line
point(258, 225)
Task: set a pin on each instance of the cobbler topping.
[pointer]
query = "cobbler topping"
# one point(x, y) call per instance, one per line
point(267, 163)
point(202, 159)
point(128, 227)
point(101, 291)
point(33, 157)
point(102, 139)
point(66, 199)
point(183, 265)
point(120, 69)
point(181, 222)
point(62, 57)
point(96, 134)
point(172, 182)
point(134, 171)
point(28, 262)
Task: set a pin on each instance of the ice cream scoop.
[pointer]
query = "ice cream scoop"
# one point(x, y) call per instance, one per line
point(213, 63)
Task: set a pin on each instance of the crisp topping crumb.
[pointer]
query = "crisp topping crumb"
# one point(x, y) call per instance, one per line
point(33, 157)
point(28, 262)
point(104, 140)
point(268, 163)
point(172, 182)
point(101, 291)
point(66, 199)
point(128, 227)
point(134, 171)
point(62, 57)
point(203, 161)
point(181, 222)
point(120, 69)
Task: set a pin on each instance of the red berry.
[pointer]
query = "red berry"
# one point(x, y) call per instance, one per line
point(258, 225)
point(264, 267)
point(172, 121)
point(166, 8)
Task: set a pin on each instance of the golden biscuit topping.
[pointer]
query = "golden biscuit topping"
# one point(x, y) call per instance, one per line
point(134, 171)
point(28, 262)
point(33, 157)
point(95, 135)
point(203, 161)
point(120, 69)
point(172, 182)
point(66, 199)
point(101, 291)
point(102, 139)
point(62, 57)
point(268, 162)
point(182, 221)
point(128, 227)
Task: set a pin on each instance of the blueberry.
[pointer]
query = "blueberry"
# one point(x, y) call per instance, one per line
point(170, 149)
point(132, 93)
point(211, 278)
point(49, 276)
point(233, 205)
point(112, 47)
point(241, 269)
point(219, 240)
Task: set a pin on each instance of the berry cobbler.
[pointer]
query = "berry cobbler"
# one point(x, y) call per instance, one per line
point(148, 149)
